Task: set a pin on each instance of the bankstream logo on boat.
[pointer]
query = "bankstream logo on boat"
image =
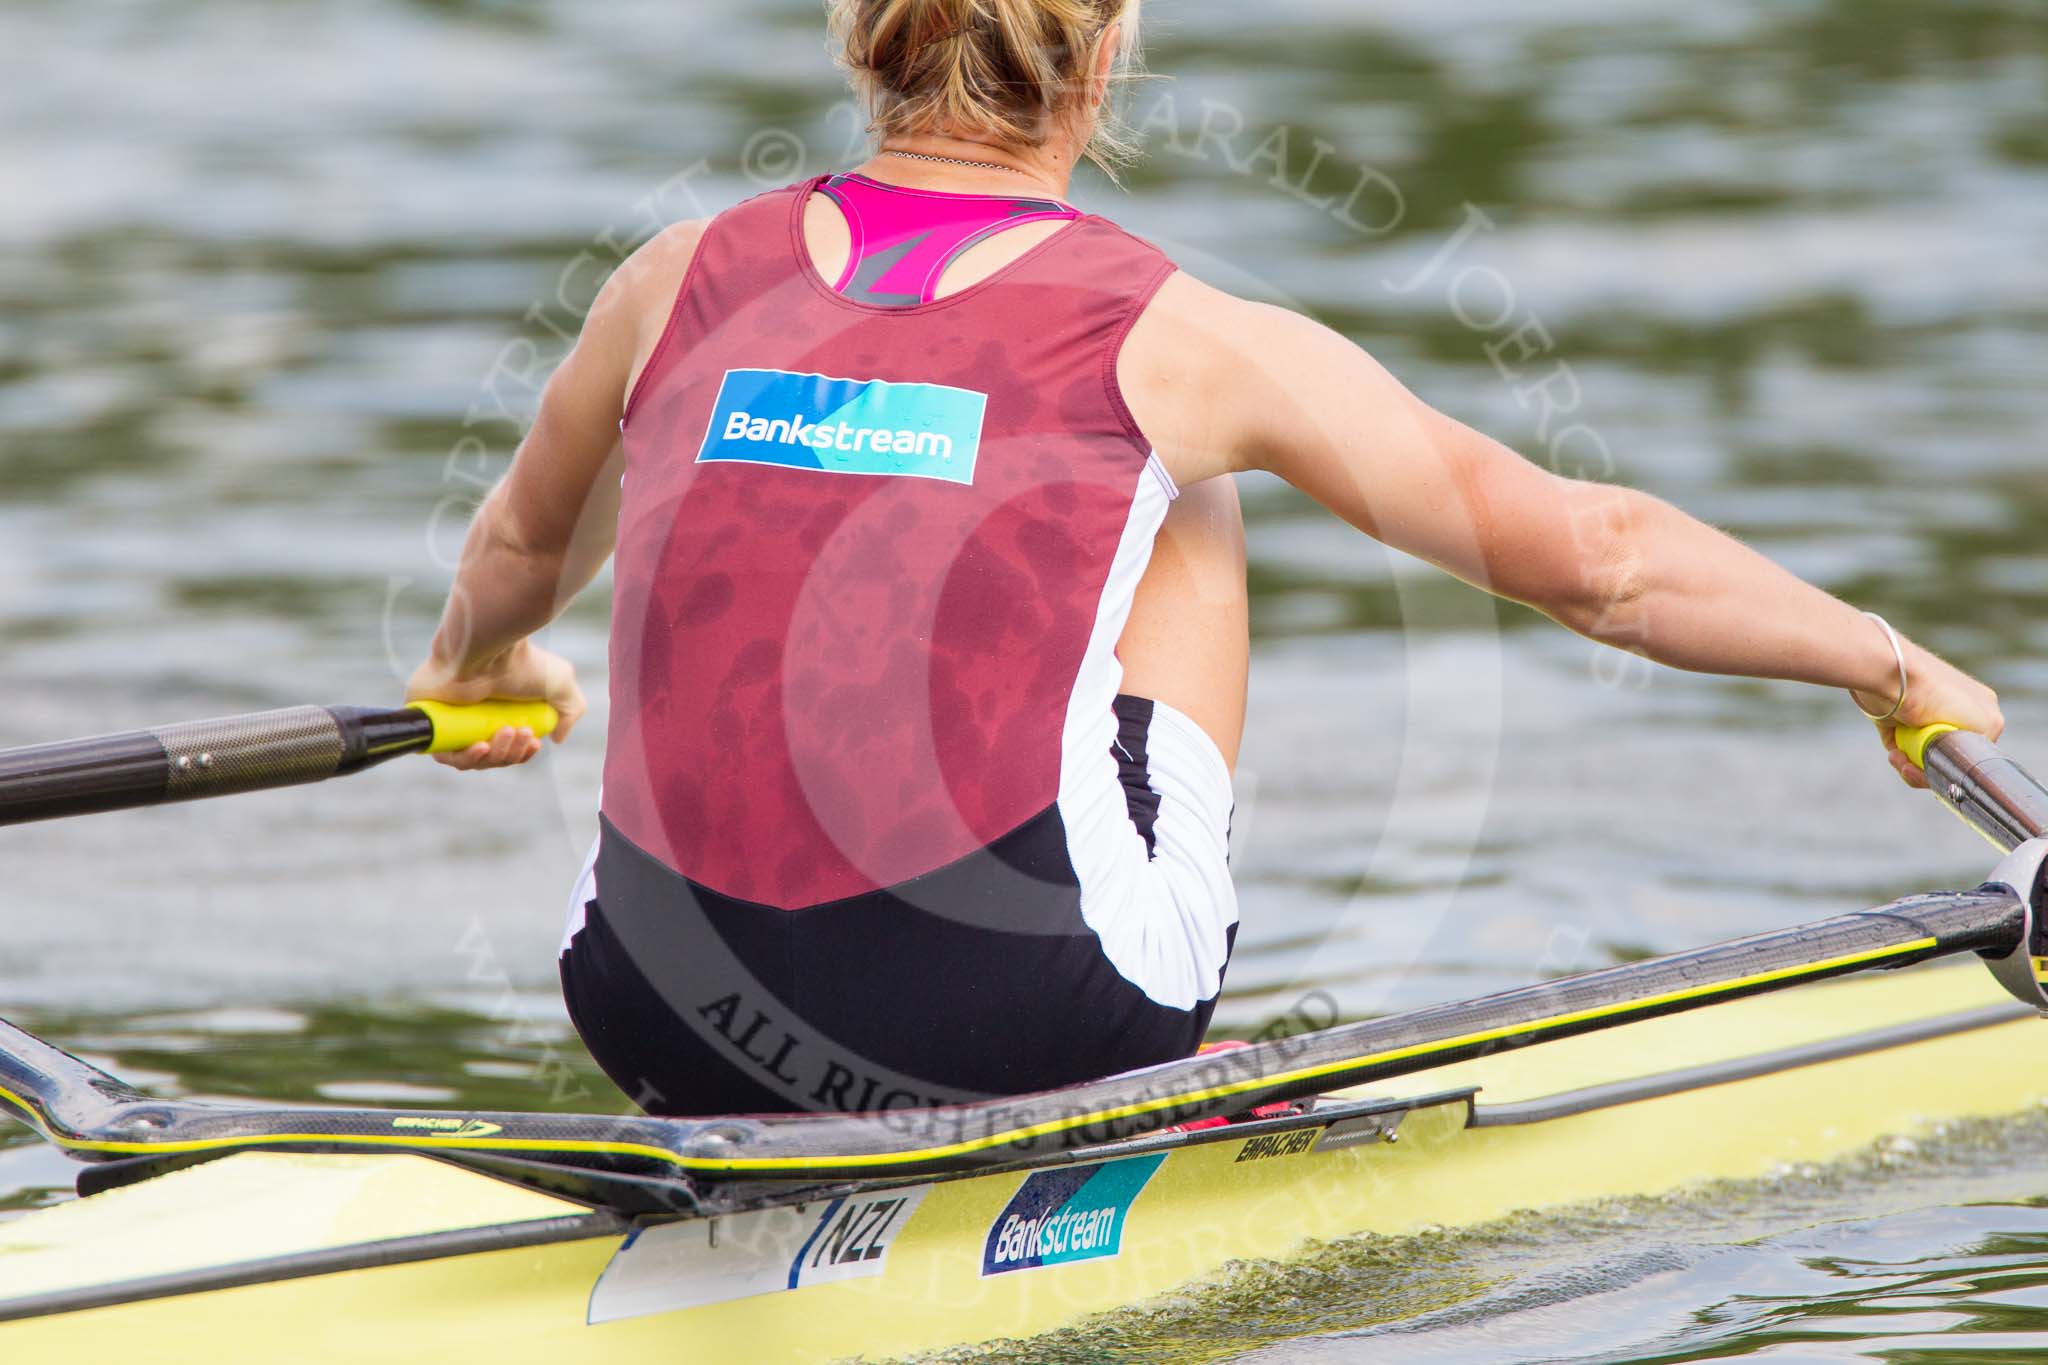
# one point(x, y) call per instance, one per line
point(1068, 1215)
point(845, 426)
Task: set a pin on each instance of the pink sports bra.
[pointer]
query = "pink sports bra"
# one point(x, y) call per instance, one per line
point(903, 239)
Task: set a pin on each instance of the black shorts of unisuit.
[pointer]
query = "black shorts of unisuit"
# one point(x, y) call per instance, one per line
point(982, 978)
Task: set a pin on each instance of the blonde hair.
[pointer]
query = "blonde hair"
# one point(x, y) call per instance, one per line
point(1005, 70)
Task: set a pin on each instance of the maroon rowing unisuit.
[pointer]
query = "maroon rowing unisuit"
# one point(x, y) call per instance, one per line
point(873, 562)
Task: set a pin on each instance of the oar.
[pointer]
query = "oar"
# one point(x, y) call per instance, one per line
point(1998, 797)
point(2002, 801)
point(92, 1119)
point(89, 1117)
point(204, 758)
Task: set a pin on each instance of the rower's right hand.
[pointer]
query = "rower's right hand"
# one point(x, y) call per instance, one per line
point(1940, 693)
point(525, 673)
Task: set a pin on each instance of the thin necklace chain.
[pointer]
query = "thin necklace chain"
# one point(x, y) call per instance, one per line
point(952, 160)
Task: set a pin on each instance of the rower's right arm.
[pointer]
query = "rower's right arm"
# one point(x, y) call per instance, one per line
point(547, 528)
point(1222, 385)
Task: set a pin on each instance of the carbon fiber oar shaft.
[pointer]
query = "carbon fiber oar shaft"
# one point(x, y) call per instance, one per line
point(197, 759)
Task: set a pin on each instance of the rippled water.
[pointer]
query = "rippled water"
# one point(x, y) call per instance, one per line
point(277, 281)
point(1921, 1253)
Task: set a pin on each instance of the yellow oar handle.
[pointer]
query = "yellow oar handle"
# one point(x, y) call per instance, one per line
point(1914, 739)
point(458, 727)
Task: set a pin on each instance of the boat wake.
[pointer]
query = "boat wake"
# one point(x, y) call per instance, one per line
point(1886, 1250)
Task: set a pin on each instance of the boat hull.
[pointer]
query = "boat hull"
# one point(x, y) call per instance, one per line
point(384, 1255)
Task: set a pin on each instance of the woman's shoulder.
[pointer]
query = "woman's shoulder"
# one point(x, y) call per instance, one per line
point(644, 287)
point(653, 274)
point(663, 258)
point(1206, 372)
point(1192, 327)
point(1197, 326)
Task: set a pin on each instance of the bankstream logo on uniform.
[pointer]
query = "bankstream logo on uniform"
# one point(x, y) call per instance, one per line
point(845, 426)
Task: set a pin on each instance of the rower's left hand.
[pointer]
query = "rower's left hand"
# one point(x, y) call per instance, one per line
point(526, 672)
point(1940, 693)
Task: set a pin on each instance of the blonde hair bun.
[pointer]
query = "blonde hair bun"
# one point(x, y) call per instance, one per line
point(996, 70)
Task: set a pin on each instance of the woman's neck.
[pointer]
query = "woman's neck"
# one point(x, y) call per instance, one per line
point(938, 161)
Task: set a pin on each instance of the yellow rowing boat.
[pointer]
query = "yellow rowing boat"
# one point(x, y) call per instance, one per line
point(269, 1256)
point(220, 1233)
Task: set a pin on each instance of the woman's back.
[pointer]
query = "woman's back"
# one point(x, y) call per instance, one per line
point(873, 559)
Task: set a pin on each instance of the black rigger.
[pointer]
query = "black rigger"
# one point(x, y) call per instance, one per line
point(94, 1117)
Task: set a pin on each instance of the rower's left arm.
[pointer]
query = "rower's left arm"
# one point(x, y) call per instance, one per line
point(1263, 388)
